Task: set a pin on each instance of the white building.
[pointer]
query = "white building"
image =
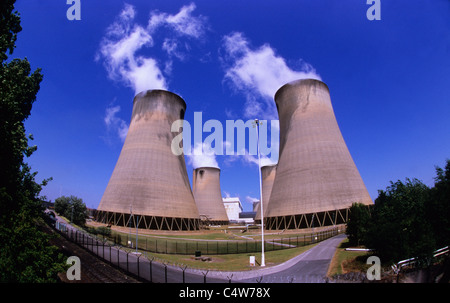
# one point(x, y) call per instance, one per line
point(233, 207)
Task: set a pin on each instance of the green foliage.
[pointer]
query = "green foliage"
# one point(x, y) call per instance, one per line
point(358, 223)
point(408, 219)
point(438, 211)
point(10, 26)
point(104, 231)
point(399, 228)
point(72, 208)
point(25, 253)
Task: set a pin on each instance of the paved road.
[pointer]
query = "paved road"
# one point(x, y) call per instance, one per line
point(310, 266)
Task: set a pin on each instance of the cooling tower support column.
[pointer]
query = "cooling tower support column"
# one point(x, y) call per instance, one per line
point(316, 179)
point(208, 195)
point(148, 178)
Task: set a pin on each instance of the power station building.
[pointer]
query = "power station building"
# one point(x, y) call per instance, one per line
point(208, 195)
point(316, 179)
point(149, 186)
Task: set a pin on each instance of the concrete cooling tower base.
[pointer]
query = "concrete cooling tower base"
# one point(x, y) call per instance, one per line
point(311, 220)
point(147, 222)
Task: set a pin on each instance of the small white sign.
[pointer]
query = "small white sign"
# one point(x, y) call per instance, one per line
point(252, 261)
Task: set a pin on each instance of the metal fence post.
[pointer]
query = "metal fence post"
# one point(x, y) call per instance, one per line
point(204, 276)
point(165, 272)
point(229, 278)
point(183, 269)
point(151, 274)
point(118, 261)
point(138, 265)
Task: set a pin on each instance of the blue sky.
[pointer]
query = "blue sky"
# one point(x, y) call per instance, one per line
point(389, 79)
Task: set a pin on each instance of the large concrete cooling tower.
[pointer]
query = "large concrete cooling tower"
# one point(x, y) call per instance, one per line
point(316, 179)
point(208, 196)
point(267, 177)
point(149, 181)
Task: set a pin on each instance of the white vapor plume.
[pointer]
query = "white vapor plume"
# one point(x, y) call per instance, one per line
point(124, 43)
point(114, 123)
point(254, 159)
point(251, 200)
point(183, 23)
point(118, 48)
point(258, 73)
point(202, 156)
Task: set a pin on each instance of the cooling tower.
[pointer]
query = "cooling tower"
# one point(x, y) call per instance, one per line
point(207, 195)
point(316, 179)
point(149, 181)
point(267, 177)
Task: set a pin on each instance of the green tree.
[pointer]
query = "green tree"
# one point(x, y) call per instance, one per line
point(438, 208)
point(25, 255)
point(358, 223)
point(73, 208)
point(61, 205)
point(399, 228)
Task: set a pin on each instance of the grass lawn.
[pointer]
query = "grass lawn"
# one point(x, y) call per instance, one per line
point(229, 262)
point(347, 261)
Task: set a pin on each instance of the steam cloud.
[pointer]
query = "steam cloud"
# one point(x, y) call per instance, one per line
point(258, 73)
point(114, 123)
point(124, 39)
point(202, 156)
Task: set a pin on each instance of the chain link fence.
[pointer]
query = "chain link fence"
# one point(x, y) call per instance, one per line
point(221, 247)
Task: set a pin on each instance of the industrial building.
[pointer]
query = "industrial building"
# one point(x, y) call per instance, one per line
point(233, 208)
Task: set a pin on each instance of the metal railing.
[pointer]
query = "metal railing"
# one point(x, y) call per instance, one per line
point(413, 261)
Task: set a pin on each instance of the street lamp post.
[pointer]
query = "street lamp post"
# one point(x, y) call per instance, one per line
point(129, 220)
point(263, 261)
point(137, 221)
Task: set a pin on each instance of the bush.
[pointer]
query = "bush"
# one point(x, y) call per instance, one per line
point(104, 231)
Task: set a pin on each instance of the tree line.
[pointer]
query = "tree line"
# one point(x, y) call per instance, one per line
point(408, 219)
